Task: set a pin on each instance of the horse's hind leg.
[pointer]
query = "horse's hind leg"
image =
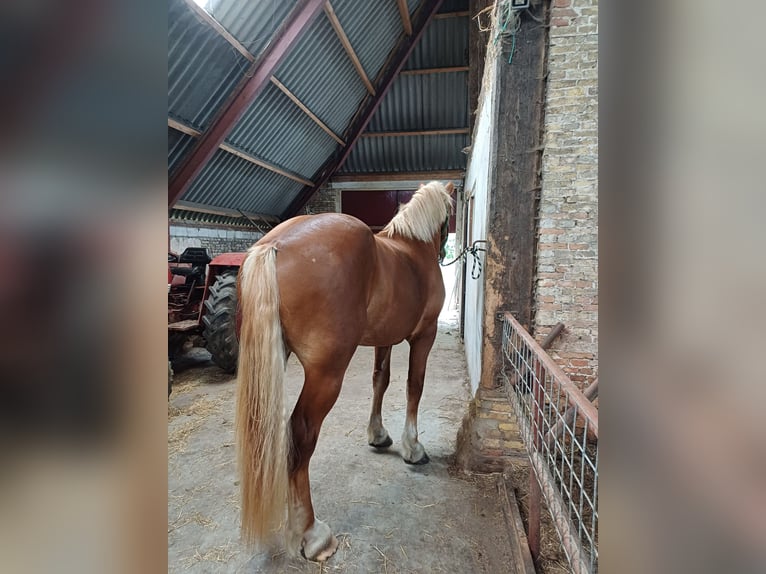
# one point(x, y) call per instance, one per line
point(320, 391)
point(420, 345)
point(377, 435)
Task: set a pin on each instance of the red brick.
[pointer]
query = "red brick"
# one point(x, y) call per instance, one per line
point(578, 246)
point(560, 22)
point(579, 362)
point(562, 3)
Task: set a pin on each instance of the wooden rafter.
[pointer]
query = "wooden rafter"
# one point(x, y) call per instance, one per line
point(366, 110)
point(446, 132)
point(307, 111)
point(422, 71)
point(445, 15)
point(399, 176)
point(405, 13)
point(227, 148)
point(348, 47)
point(216, 25)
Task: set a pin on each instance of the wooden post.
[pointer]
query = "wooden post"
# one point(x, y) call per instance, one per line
point(477, 51)
point(515, 182)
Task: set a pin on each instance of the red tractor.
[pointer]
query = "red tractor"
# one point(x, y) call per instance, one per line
point(202, 301)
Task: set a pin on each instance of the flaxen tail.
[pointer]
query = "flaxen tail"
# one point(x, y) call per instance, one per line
point(261, 429)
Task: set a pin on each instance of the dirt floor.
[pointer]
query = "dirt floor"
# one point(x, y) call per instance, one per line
point(389, 517)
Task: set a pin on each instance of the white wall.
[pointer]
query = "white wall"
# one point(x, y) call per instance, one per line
point(477, 188)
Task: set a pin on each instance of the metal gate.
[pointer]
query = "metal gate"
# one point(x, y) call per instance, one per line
point(559, 427)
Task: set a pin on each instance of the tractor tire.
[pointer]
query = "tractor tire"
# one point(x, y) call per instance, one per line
point(220, 321)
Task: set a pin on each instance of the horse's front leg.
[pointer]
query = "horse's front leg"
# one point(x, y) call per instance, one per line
point(377, 435)
point(420, 345)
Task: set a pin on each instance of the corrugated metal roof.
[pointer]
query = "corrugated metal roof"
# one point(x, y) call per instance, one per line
point(178, 144)
point(203, 68)
point(230, 181)
point(407, 153)
point(444, 44)
point(182, 215)
point(432, 101)
point(252, 23)
point(320, 74)
point(276, 130)
point(372, 31)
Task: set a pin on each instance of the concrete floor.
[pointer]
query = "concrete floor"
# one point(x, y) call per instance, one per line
point(388, 516)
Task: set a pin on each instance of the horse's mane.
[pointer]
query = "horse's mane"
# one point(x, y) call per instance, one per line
point(423, 215)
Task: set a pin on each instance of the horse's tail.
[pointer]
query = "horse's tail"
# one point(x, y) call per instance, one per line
point(261, 429)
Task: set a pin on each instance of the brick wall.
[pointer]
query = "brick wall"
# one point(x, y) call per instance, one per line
point(324, 201)
point(567, 256)
point(215, 239)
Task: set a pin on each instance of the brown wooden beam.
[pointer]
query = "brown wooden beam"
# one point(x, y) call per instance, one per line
point(254, 82)
point(514, 178)
point(368, 107)
point(328, 9)
point(216, 25)
point(422, 71)
point(445, 132)
point(404, 11)
point(445, 15)
point(400, 176)
point(306, 111)
point(477, 52)
point(232, 150)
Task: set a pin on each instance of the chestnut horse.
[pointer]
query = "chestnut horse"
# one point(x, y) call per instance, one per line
point(319, 286)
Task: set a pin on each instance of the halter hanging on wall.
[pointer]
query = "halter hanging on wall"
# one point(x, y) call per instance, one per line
point(474, 251)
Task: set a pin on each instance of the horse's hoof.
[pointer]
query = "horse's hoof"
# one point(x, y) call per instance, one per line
point(318, 542)
point(385, 444)
point(423, 460)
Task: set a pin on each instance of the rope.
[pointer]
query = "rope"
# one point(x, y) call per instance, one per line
point(473, 250)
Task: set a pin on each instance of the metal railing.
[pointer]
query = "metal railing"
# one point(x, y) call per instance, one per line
point(559, 427)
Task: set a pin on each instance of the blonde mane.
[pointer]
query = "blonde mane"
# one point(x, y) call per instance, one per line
point(423, 215)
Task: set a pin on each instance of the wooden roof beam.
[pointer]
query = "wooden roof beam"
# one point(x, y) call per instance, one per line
point(253, 84)
point(445, 132)
point(328, 9)
point(307, 111)
point(422, 71)
point(232, 150)
point(390, 70)
point(223, 211)
point(405, 13)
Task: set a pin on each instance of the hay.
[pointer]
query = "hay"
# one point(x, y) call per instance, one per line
point(178, 438)
point(196, 518)
point(221, 554)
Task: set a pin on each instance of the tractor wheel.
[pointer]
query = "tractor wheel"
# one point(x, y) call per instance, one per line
point(220, 321)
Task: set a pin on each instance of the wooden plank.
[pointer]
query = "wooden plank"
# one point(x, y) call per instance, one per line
point(265, 164)
point(404, 11)
point(446, 132)
point(307, 111)
point(348, 47)
point(400, 176)
point(445, 15)
point(253, 82)
point(216, 25)
point(423, 71)
point(178, 126)
point(515, 164)
point(227, 148)
point(522, 563)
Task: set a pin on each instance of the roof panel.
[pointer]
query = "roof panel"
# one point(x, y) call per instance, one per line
point(444, 43)
point(230, 181)
point(178, 144)
point(407, 153)
point(372, 27)
point(203, 68)
point(277, 130)
point(429, 101)
point(321, 75)
point(252, 23)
